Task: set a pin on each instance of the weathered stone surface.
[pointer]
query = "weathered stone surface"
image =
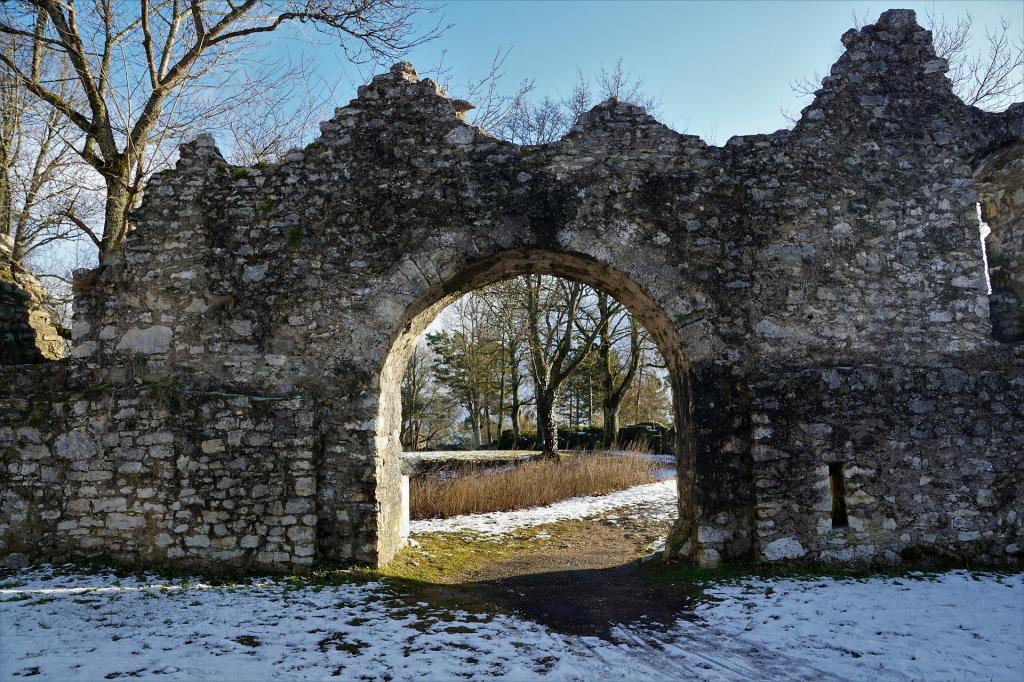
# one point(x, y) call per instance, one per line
point(783, 548)
point(999, 179)
point(140, 487)
point(818, 294)
point(148, 341)
point(28, 333)
point(948, 478)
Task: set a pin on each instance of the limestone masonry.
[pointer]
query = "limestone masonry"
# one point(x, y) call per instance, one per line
point(845, 386)
point(27, 331)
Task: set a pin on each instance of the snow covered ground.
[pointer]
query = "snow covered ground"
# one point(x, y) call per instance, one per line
point(62, 625)
point(657, 500)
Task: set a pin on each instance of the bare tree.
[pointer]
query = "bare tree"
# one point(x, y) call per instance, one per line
point(492, 107)
point(547, 120)
point(537, 123)
point(612, 319)
point(504, 299)
point(465, 358)
point(285, 116)
point(428, 415)
point(558, 340)
point(143, 74)
point(990, 79)
point(648, 397)
point(620, 84)
point(543, 348)
point(45, 192)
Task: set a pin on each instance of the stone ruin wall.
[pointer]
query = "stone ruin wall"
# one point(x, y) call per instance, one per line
point(932, 460)
point(813, 290)
point(28, 332)
point(153, 474)
point(999, 179)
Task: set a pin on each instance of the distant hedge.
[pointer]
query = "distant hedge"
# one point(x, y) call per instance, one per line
point(651, 436)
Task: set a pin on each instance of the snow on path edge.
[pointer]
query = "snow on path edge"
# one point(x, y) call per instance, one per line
point(660, 497)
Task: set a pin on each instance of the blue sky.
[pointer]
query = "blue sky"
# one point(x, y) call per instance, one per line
point(721, 68)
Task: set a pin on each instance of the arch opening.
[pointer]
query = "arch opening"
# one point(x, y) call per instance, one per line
point(392, 487)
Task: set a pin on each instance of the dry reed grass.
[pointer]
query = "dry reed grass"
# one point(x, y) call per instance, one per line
point(529, 484)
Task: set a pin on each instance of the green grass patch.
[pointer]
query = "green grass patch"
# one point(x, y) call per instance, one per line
point(451, 558)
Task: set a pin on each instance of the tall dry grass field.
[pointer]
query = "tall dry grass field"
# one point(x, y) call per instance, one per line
point(530, 484)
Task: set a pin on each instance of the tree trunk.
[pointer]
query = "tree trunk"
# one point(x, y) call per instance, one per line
point(590, 399)
point(115, 215)
point(513, 416)
point(10, 122)
point(501, 402)
point(474, 424)
point(611, 423)
point(6, 205)
point(604, 356)
point(547, 431)
point(639, 389)
point(575, 409)
point(613, 394)
point(487, 424)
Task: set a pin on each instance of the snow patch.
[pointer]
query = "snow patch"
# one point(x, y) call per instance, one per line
point(77, 626)
point(660, 498)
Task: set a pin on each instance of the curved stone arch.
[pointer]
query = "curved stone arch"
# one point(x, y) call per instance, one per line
point(624, 248)
point(504, 265)
point(825, 283)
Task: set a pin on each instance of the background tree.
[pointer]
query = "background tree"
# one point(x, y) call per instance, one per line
point(504, 302)
point(428, 414)
point(144, 74)
point(648, 398)
point(559, 340)
point(530, 347)
point(547, 120)
point(989, 79)
point(614, 325)
point(466, 357)
point(45, 197)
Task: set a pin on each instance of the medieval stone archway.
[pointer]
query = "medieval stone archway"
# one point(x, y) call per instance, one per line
point(230, 392)
point(504, 265)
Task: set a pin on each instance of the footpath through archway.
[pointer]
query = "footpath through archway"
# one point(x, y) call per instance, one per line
point(505, 265)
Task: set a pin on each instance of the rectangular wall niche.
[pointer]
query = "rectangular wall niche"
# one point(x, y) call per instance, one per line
point(837, 488)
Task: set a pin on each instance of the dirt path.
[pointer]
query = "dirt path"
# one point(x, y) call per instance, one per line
point(580, 577)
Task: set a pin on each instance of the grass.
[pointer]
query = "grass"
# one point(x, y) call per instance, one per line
point(437, 576)
point(530, 484)
point(453, 558)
